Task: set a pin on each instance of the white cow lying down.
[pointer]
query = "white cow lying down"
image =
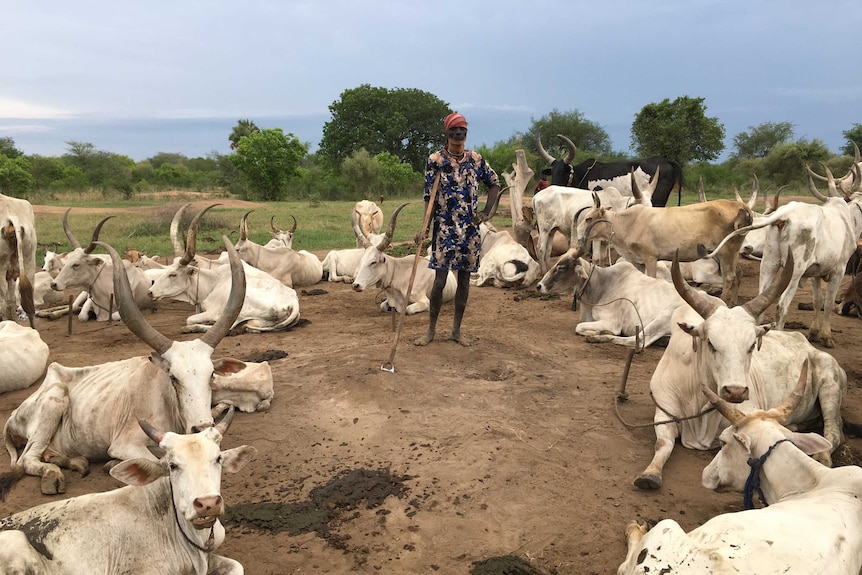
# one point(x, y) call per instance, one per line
point(503, 262)
point(813, 522)
point(166, 520)
point(245, 385)
point(23, 356)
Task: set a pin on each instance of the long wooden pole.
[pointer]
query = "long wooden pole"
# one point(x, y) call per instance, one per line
point(388, 365)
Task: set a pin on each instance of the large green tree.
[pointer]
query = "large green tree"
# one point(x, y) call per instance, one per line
point(589, 137)
point(8, 149)
point(407, 123)
point(266, 161)
point(762, 139)
point(852, 135)
point(242, 129)
point(678, 130)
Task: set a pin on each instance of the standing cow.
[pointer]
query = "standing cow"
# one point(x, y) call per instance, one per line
point(17, 254)
point(591, 174)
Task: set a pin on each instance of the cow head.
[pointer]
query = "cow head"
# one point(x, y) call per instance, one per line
point(751, 435)
point(193, 465)
point(369, 217)
point(81, 267)
point(561, 171)
point(566, 276)
point(372, 266)
point(188, 364)
point(282, 237)
point(727, 337)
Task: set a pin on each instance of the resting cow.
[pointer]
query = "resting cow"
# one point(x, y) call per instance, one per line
point(618, 304)
point(503, 262)
point(17, 257)
point(292, 268)
point(366, 219)
point(88, 413)
point(812, 523)
point(392, 275)
point(166, 520)
point(23, 356)
point(725, 349)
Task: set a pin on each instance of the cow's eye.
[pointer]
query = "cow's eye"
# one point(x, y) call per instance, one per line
point(710, 346)
point(751, 349)
point(173, 466)
point(219, 459)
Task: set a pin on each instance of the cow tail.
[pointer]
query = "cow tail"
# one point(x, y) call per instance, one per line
point(25, 287)
point(677, 176)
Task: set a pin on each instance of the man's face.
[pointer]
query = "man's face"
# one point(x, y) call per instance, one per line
point(459, 133)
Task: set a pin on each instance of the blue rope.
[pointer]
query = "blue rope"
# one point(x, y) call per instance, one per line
point(752, 484)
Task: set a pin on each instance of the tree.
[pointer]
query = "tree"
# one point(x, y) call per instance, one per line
point(267, 160)
point(786, 162)
point(15, 177)
point(8, 149)
point(406, 123)
point(762, 139)
point(677, 130)
point(242, 129)
point(854, 134)
point(588, 136)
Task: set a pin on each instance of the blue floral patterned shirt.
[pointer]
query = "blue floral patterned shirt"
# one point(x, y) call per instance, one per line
point(455, 240)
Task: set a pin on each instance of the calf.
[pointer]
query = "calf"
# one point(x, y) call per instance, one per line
point(166, 520)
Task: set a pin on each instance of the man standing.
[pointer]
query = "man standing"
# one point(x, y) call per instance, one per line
point(455, 241)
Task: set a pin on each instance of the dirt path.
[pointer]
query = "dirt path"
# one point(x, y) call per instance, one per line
point(508, 448)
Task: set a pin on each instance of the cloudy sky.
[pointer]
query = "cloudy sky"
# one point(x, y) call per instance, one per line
point(142, 77)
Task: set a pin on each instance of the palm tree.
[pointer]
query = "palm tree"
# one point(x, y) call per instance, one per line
point(242, 129)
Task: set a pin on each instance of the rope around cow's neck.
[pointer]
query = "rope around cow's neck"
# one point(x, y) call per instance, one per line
point(189, 540)
point(752, 484)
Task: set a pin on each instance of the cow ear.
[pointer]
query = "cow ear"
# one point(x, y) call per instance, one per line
point(760, 331)
point(811, 443)
point(137, 472)
point(235, 459)
point(692, 331)
point(744, 439)
point(227, 365)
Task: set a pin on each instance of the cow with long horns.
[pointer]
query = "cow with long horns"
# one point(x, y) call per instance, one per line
point(727, 350)
point(591, 174)
point(80, 414)
point(392, 275)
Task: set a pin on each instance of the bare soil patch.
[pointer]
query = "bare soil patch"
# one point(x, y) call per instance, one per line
point(506, 457)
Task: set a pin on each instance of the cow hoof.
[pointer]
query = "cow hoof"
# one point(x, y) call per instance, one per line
point(53, 482)
point(263, 405)
point(648, 481)
point(81, 465)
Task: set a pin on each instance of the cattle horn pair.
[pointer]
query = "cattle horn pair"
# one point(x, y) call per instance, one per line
point(192, 240)
point(780, 413)
point(243, 227)
point(275, 230)
point(75, 243)
point(752, 200)
point(570, 146)
point(136, 323)
point(157, 434)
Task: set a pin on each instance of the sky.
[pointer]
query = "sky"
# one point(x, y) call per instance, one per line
point(139, 78)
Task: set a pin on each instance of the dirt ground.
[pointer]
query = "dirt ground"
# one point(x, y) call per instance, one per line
point(503, 458)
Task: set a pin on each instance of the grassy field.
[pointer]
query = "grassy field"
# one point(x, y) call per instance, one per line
point(144, 223)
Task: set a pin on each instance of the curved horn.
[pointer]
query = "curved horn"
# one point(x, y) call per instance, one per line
point(357, 230)
point(811, 187)
point(773, 204)
point(755, 191)
point(387, 238)
point(830, 182)
point(857, 157)
point(223, 425)
point(857, 178)
point(653, 184)
point(243, 226)
point(761, 301)
point(570, 146)
point(699, 302)
point(132, 316)
point(155, 434)
point(216, 333)
point(275, 230)
point(636, 191)
point(75, 243)
point(701, 195)
point(175, 227)
point(728, 410)
point(96, 232)
point(293, 227)
point(783, 411)
point(192, 241)
point(736, 193)
point(542, 151)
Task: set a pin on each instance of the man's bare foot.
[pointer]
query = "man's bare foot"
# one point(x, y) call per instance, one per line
point(425, 339)
point(462, 339)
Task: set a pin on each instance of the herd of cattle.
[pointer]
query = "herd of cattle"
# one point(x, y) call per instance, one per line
point(725, 377)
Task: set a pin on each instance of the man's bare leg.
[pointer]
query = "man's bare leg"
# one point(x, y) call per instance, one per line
point(461, 295)
point(436, 302)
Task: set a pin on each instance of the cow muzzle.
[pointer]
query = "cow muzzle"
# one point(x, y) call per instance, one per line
point(207, 511)
point(357, 287)
point(734, 393)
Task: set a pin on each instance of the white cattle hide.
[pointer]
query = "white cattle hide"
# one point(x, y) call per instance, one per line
point(23, 356)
